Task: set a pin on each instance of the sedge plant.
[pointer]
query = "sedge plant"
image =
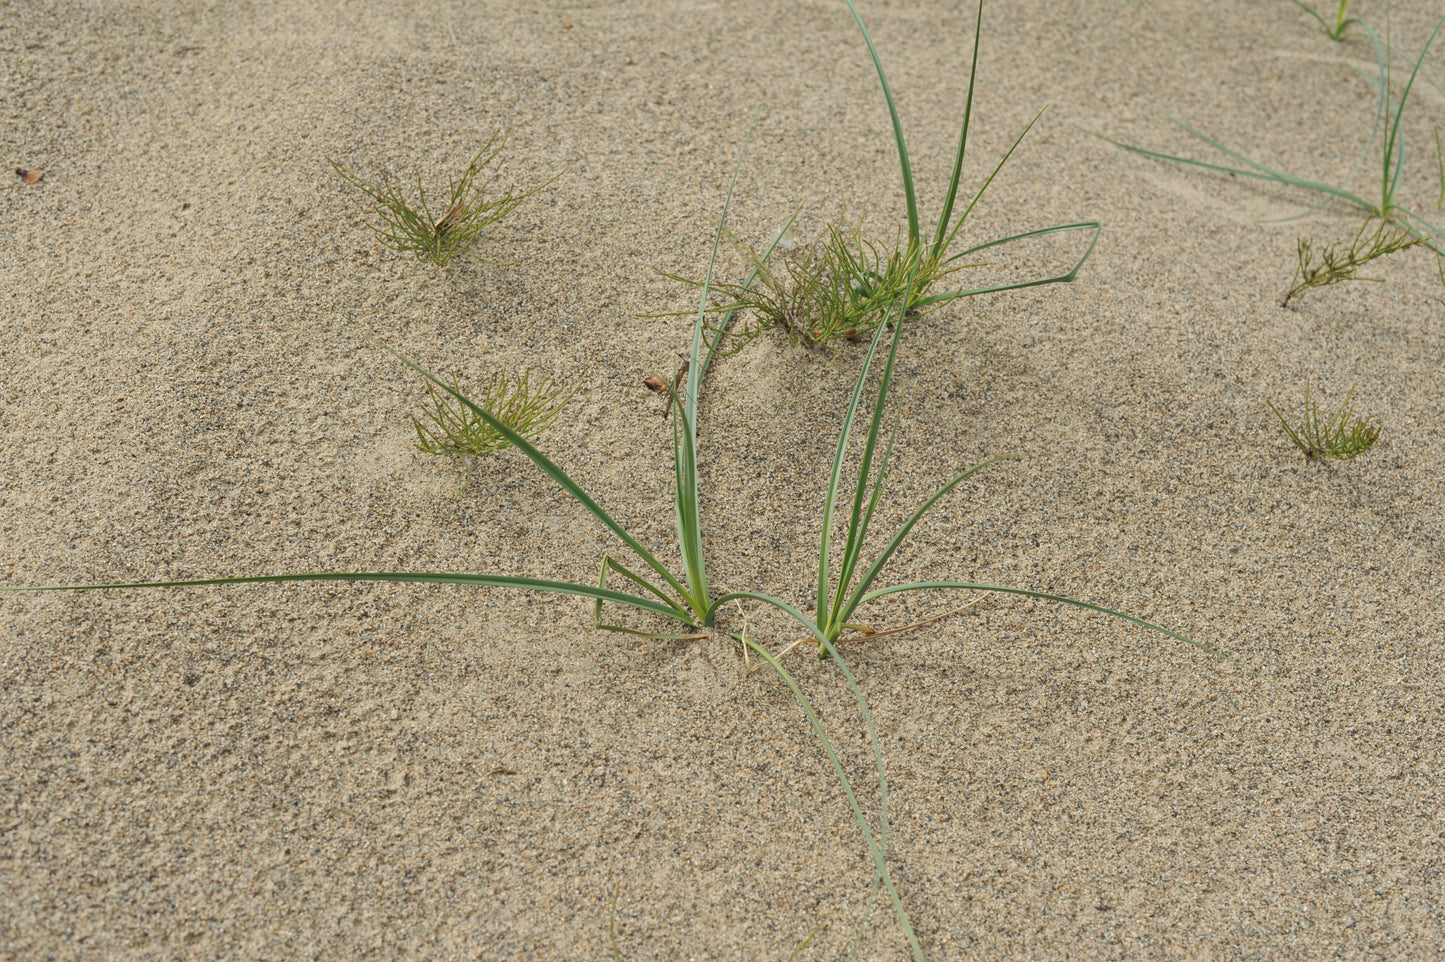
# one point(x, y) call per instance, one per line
point(1387, 127)
point(1335, 437)
point(451, 232)
point(843, 286)
point(525, 407)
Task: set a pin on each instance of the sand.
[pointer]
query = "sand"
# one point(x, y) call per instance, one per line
point(399, 771)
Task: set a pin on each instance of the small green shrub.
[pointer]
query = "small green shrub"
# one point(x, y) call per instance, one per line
point(1333, 438)
point(417, 231)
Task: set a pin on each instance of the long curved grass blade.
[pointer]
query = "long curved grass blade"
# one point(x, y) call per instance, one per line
point(836, 474)
point(858, 520)
point(1065, 278)
point(419, 577)
point(608, 562)
point(1045, 596)
point(549, 467)
point(903, 162)
point(1395, 143)
point(876, 844)
point(869, 576)
point(1261, 173)
point(860, 517)
point(953, 231)
point(850, 560)
point(947, 213)
point(684, 434)
point(1311, 11)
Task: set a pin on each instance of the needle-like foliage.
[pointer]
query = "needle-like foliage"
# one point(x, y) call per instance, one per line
point(453, 231)
point(1338, 264)
point(527, 408)
point(1334, 437)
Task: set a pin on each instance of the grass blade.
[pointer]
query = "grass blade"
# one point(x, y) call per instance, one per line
point(903, 162)
point(689, 521)
point(873, 571)
point(947, 214)
point(877, 845)
point(1395, 142)
point(1257, 171)
point(1065, 278)
point(548, 467)
point(858, 520)
point(421, 577)
point(953, 232)
point(1044, 596)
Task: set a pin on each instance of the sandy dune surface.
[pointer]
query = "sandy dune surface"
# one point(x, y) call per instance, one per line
point(187, 389)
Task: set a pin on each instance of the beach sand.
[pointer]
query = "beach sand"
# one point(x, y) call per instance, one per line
point(353, 771)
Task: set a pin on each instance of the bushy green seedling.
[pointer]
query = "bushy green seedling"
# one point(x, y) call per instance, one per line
point(454, 430)
point(1335, 437)
point(1389, 115)
point(843, 286)
point(1338, 264)
point(469, 211)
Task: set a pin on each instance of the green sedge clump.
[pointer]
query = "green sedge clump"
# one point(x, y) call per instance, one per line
point(438, 237)
point(844, 286)
point(453, 429)
point(1334, 437)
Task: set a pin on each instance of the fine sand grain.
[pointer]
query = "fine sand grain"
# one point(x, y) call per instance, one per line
point(357, 771)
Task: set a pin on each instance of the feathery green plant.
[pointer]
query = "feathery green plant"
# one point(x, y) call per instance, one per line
point(843, 286)
point(1389, 114)
point(686, 603)
point(1333, 438)
point(525, 408)
point(438, 239)
point(1338, 264)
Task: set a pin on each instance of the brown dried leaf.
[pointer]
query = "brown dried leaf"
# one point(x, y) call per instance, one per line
point(451, 218)
point(654, 384)
point(29, 176)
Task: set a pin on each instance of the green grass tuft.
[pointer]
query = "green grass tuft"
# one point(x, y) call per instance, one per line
point(424, 234)
point(526, 408)
point(844, 286)
point(1333, 438)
